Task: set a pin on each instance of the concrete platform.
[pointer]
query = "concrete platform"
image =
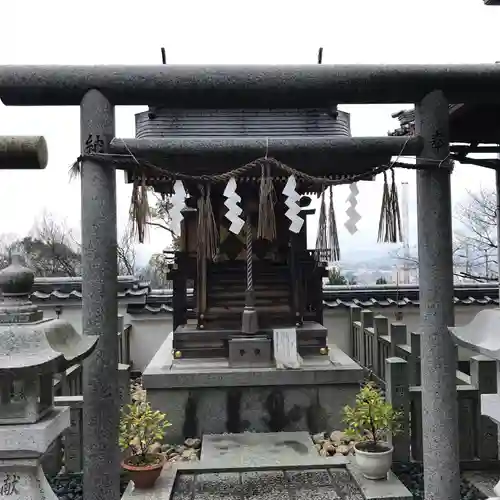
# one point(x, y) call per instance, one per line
point(210, 397)
point(328, 483)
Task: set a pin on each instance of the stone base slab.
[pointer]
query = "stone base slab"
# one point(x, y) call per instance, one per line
point(210, 397)
point(267, 483)
point(163, 373)
point(33, 439)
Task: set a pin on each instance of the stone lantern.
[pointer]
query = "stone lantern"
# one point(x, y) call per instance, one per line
point(32, 351)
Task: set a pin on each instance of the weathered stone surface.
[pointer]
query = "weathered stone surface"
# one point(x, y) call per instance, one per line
point(253, 448)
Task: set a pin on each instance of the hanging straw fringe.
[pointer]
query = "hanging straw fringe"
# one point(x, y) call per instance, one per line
point(322, 237)
point(75, 170)
point(333, 237)
point(389, 228)
point(140, 212)
point(266, 228)
point(208, 234)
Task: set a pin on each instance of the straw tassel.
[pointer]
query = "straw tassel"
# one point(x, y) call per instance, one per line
point(207, 228)
point(333, 237)
point(322, 237)
point(389, 229)
point(266, 228)
point(140, 212)
point(398, 230)
point(212, 232)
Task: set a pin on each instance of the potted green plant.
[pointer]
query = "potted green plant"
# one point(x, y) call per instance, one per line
point(369, 422)
point(140, 428)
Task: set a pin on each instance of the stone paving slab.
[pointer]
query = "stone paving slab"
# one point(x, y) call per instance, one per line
point(252, 448)
point(338, 483)
point(321, 484)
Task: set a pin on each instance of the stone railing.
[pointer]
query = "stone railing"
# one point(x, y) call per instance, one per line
point(68, 391)
point(391, 356)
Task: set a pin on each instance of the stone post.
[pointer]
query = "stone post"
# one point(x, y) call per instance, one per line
point(397, 392)
point(483, 374)
point(101, 410)
point(439, 362)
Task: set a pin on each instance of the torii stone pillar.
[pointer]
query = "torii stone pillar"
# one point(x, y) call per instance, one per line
point(438, 352)
point(101, 408)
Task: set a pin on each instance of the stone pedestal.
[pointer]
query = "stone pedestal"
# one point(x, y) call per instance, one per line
point(21, 475)
point(481, 336)
point(209, 396)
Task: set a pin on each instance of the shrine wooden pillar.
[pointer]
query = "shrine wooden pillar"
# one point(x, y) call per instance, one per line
point(435, 252)
point(101, 402)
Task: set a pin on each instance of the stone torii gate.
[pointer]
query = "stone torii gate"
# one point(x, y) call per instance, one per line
point(98, 89)
point(23, 153)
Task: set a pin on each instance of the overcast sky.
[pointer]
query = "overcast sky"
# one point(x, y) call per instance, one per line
point(225, 32)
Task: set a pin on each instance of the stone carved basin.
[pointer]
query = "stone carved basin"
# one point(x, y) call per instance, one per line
point(481, 335)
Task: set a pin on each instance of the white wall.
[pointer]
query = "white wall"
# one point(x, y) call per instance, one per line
point(149, 331)
point(73, 313)
point(147, 335)
point(337, 322)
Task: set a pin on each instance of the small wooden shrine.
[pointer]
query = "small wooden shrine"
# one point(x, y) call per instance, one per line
point(243, 185)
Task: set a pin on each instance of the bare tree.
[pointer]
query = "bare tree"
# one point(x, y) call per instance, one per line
point(126, 254)
point(50, 249)
point(160, 217)
point(7, 244)
point(475, 241)
point(477, 236)
point(156, 272)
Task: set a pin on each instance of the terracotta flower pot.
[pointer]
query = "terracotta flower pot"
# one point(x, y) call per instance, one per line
point(144, 476)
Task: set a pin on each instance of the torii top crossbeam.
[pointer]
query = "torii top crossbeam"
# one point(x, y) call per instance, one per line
point(187, 86)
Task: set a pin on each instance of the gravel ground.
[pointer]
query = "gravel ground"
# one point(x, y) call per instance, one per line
point(412, 477)
point(69, 487)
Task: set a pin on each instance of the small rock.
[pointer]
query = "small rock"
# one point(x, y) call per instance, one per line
point(193, 443)
point(155, 448)
point(329, 448)
point(188, 455)
point(166, 448)
point(179, 449)
point(173, 454)
point(323, 453)
point(343, 448)
point(318, 438)
point(337, 437)
point(338, 454)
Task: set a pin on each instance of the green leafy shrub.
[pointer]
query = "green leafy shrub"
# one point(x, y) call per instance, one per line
point(371, 418)
point(140, 428)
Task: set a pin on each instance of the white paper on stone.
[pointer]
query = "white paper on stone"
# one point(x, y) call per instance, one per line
point(286, 354)
point(234, 210)
point(178, 201)
point(291, 202)
point(352, 215)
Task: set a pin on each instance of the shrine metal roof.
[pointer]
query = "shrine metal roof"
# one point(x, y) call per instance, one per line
point(212, 123)
point(343, 297)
